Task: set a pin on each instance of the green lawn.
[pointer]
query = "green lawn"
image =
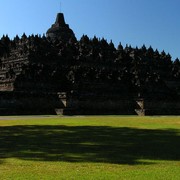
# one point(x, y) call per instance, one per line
point(89, 147)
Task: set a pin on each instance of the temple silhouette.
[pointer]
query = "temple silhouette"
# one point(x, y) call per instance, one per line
point(58, 74)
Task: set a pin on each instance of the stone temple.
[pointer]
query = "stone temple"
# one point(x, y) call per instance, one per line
point(58, 74)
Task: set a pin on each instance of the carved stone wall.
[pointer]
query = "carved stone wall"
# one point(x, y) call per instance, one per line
point(15, 103)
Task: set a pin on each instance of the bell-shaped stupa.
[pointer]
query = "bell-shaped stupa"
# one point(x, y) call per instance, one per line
point(60, 30)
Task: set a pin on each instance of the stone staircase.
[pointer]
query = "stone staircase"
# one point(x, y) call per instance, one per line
point(140, 108)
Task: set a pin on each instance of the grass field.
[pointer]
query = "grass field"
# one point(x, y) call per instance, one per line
point(89, 147)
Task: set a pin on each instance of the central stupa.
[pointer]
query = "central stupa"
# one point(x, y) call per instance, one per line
point(60, 30)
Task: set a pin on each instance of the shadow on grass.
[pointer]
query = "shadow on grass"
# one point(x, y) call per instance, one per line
point(88, 144)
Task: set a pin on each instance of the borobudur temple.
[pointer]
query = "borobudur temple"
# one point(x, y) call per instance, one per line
point(58, 74)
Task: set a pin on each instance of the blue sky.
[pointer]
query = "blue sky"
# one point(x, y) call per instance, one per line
point(134, 22)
